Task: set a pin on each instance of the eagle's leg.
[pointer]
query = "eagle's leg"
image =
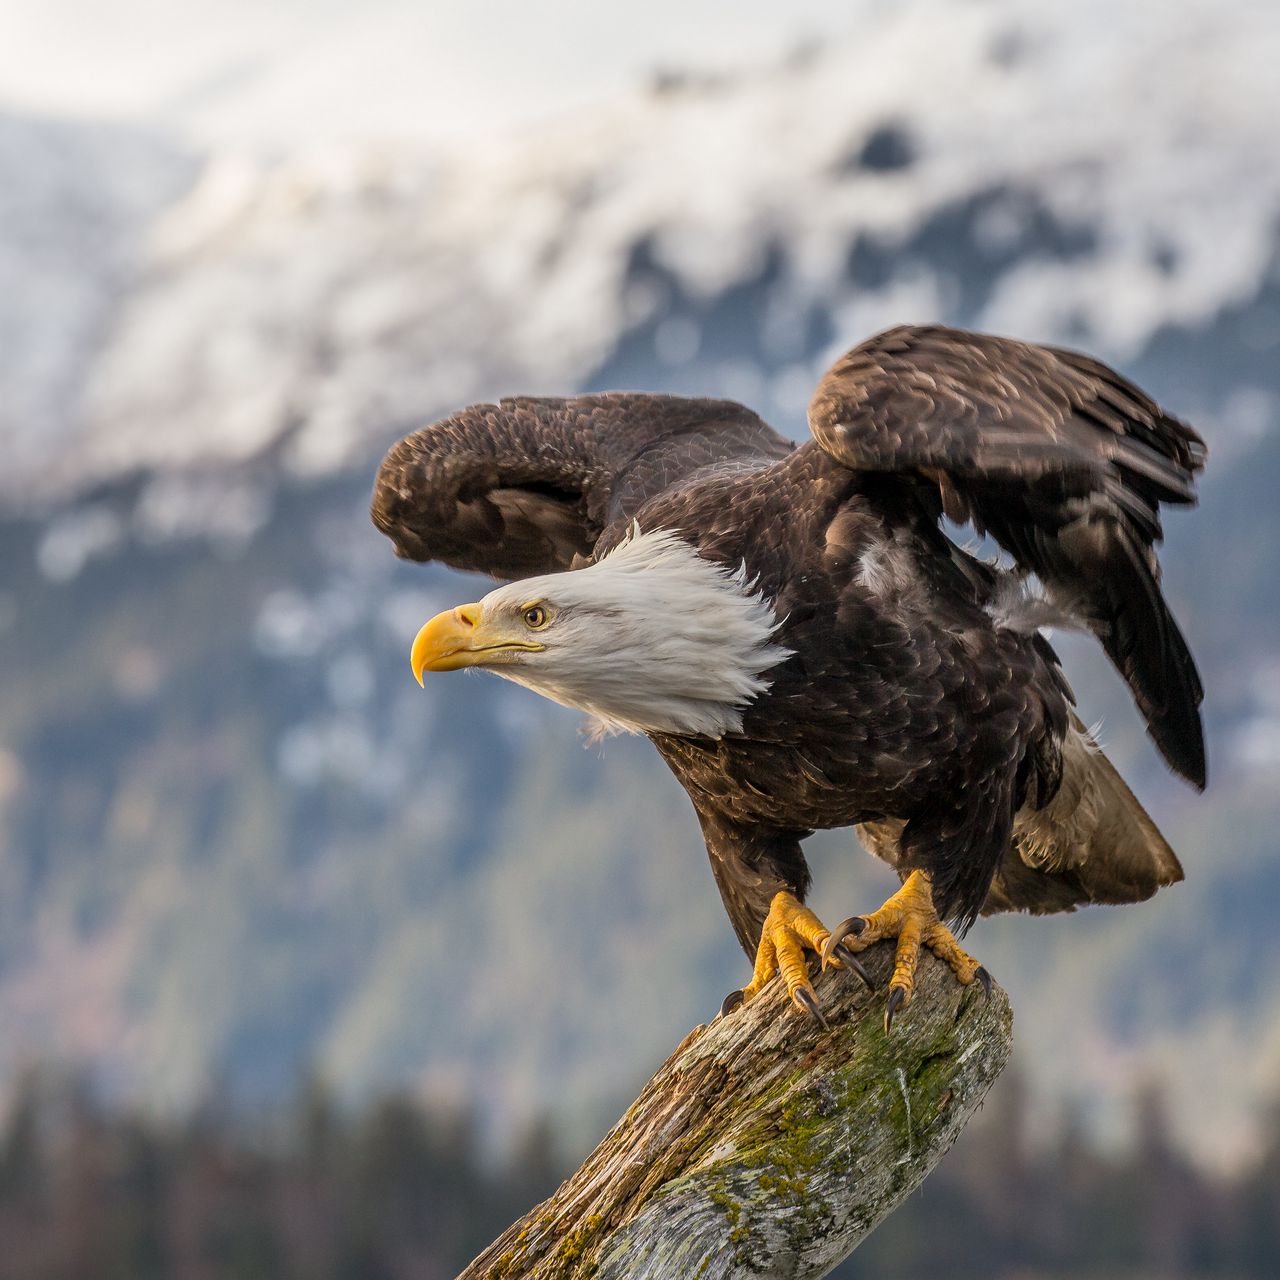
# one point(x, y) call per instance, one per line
point(909, 917)
point(790, 929)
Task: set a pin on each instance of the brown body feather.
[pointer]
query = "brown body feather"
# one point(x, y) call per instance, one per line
point(1092, 843)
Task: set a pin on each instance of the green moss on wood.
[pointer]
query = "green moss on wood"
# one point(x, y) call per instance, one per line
point(778, 1161)
point(774, 1153)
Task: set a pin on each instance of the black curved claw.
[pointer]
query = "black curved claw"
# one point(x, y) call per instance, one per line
point(731, 1002)
point(803, 996)
point(851, 962)
point(984, 978)
point(853, 925)
point(896, 997)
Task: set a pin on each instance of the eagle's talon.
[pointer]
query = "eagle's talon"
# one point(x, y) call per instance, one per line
point(805, 998)
point(789, 931)
point(909, 917)
point(851, 927)
point(850, 962)
point(899, 998)
point(984, 980)
point(733, 1001)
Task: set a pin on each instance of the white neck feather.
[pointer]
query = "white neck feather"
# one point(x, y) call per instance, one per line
point(651, 639)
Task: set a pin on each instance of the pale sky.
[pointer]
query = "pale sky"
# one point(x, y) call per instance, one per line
point(281, 71)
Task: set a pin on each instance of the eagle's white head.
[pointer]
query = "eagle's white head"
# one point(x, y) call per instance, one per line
point(651, 639)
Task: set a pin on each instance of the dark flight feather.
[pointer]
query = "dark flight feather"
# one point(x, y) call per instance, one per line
point(1063, 461)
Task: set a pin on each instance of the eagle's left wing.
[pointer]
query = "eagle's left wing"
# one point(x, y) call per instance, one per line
point(1062, 460)
point(528, 485)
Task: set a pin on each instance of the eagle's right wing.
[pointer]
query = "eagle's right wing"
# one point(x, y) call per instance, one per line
point(1062, 460)
point(526, 486)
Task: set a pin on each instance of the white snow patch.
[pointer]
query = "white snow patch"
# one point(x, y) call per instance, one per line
point(73, 540)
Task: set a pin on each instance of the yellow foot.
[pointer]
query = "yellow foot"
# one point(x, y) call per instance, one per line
point(790, 929)
point(908, 916)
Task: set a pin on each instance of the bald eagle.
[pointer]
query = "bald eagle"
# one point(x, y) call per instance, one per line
point(807, 648)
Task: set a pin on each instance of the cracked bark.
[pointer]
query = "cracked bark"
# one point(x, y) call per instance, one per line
point(765, 1146)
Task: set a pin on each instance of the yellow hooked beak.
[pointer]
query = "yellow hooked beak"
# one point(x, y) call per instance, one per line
point(459, 638)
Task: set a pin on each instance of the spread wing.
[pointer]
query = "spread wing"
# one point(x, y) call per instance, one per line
point(1063, 461)
point(527, 485)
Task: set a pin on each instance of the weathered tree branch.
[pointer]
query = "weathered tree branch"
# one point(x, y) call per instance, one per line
point(767, 1146)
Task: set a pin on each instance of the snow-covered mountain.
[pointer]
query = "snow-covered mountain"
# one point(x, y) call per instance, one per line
point(77, 202)
point(1079, 189)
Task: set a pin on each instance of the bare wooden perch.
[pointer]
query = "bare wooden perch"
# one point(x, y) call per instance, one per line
point(767, 1146)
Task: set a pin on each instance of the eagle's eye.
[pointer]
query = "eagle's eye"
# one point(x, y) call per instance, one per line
point(535, 617)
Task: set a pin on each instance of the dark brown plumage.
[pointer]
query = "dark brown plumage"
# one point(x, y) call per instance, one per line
point(918, 702)
point(1062, 461)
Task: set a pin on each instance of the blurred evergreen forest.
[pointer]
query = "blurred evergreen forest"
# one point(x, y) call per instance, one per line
point(398, 1191)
